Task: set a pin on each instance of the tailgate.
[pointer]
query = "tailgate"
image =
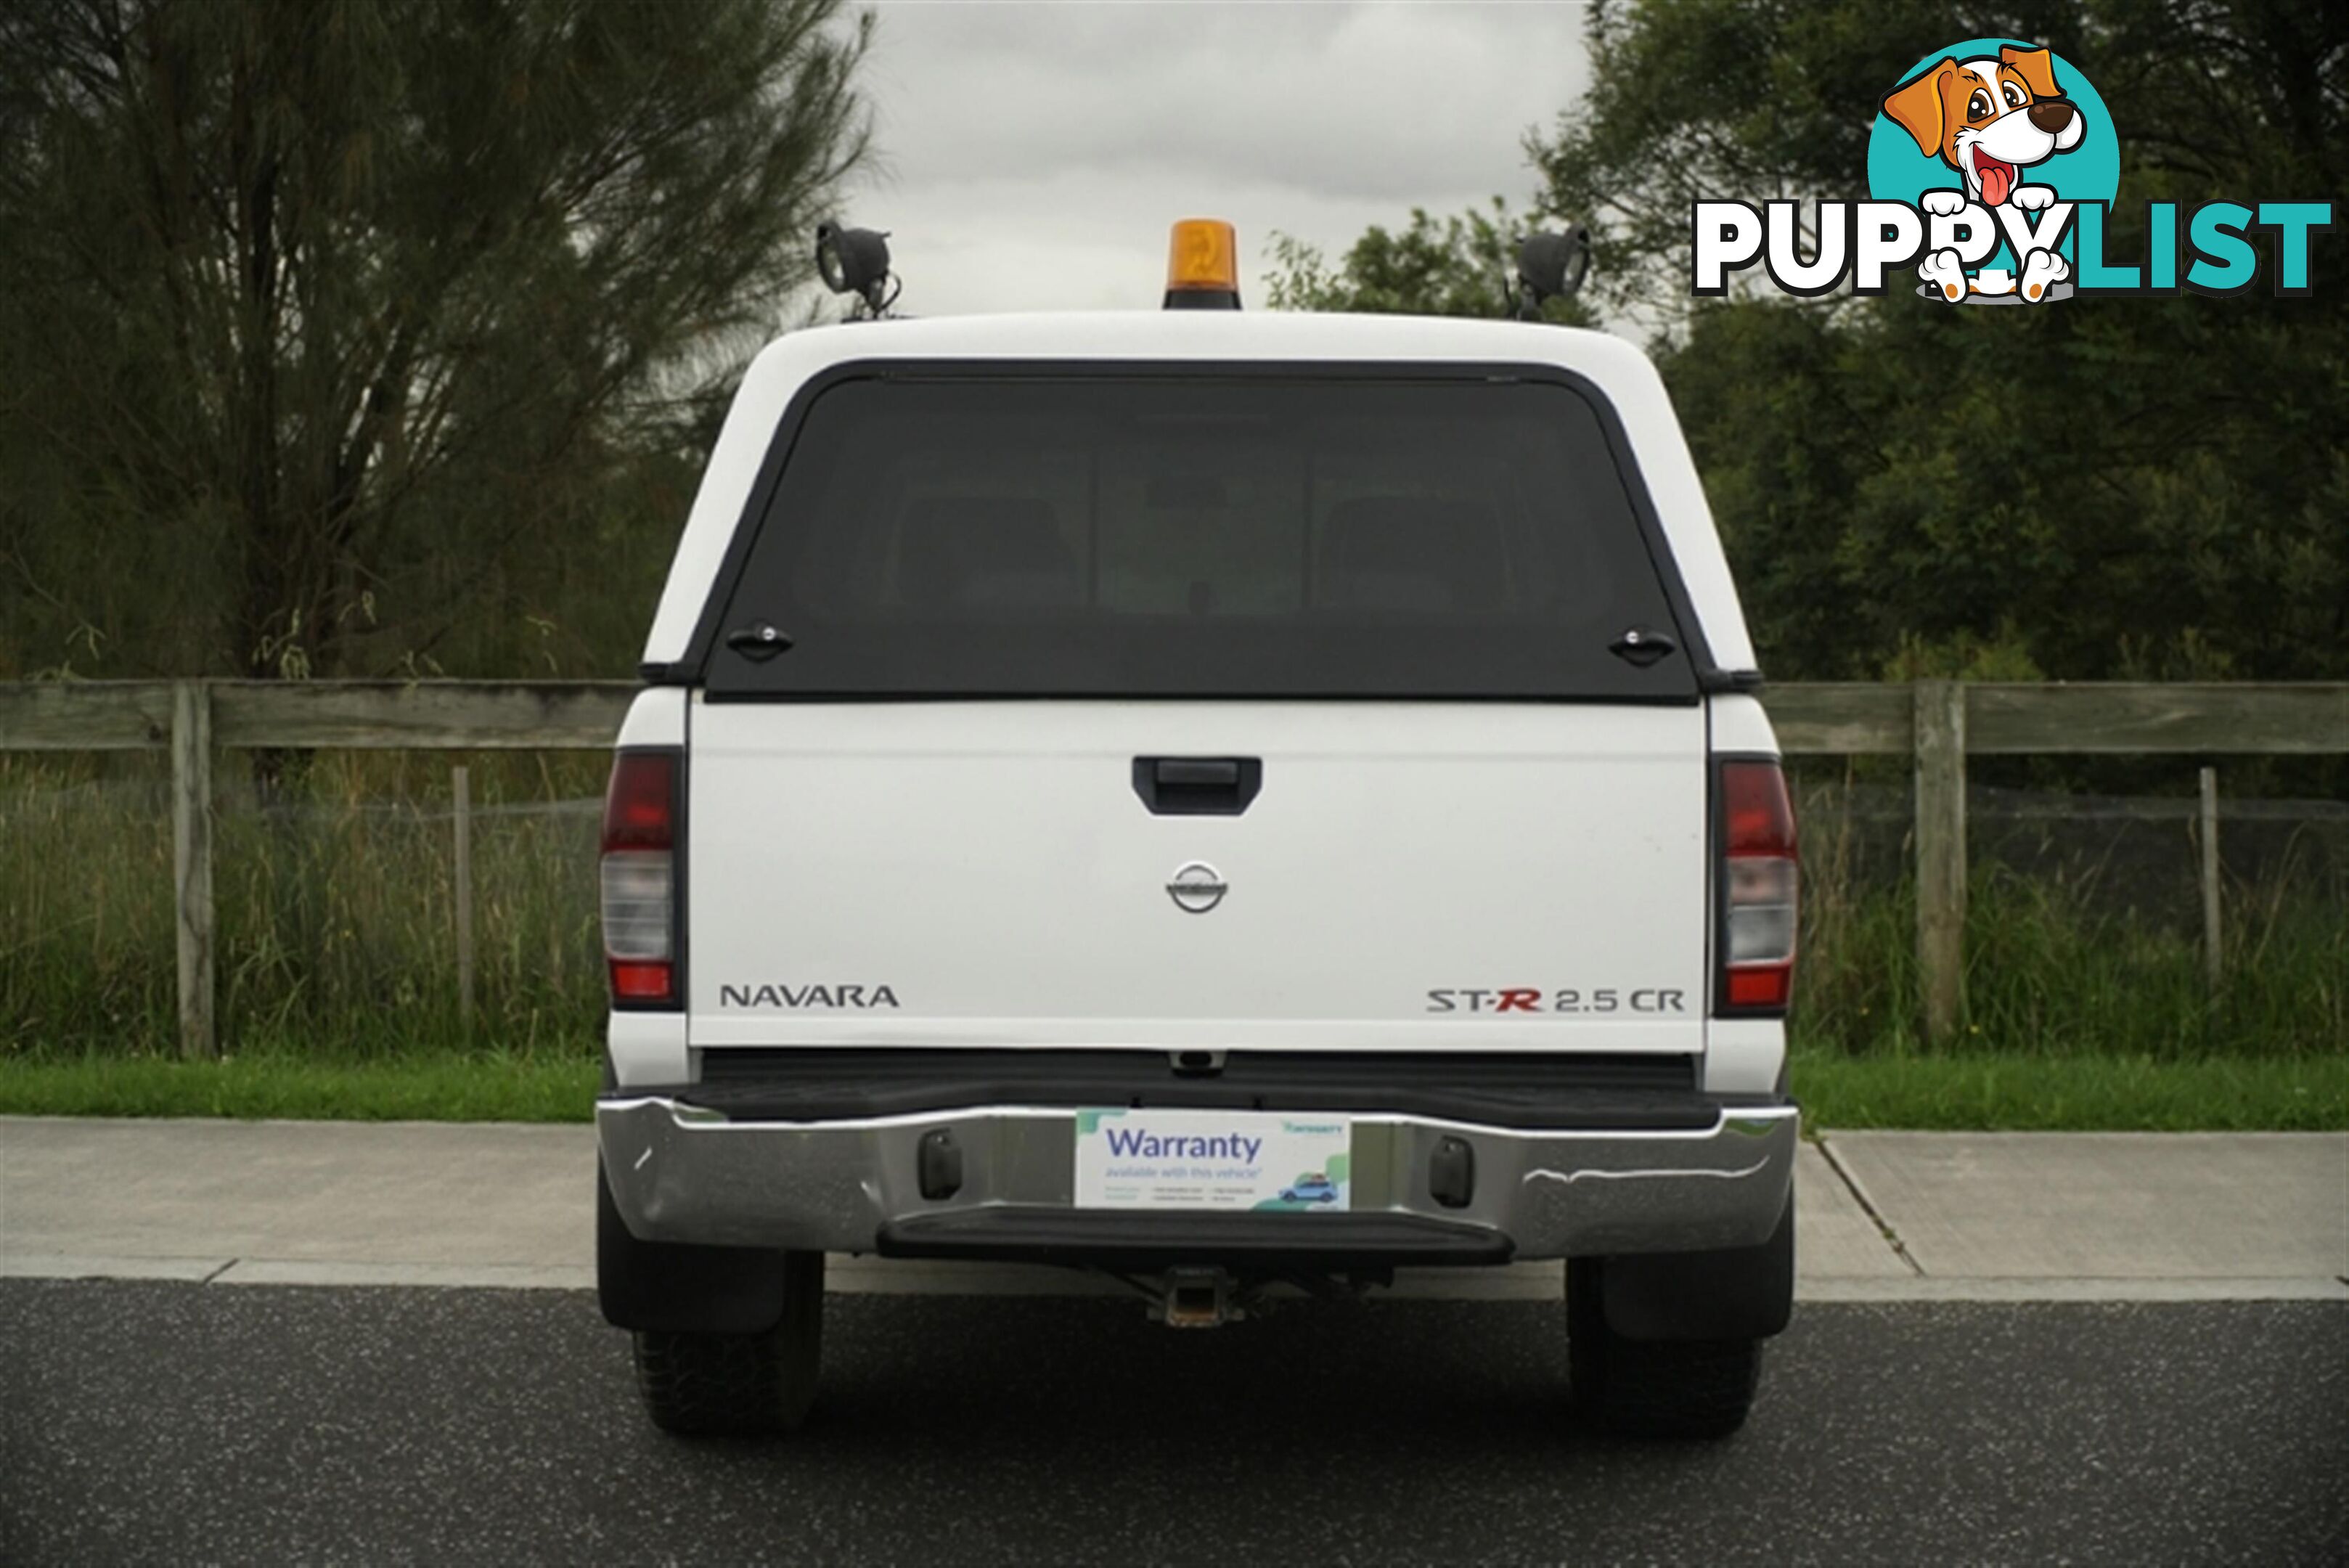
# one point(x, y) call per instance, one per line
point(1410, 877)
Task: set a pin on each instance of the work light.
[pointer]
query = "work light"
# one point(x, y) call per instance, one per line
point(854, 261)
point(1550, 266)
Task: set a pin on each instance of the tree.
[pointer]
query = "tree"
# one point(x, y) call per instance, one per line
point(2119, 488)
point(343, 335)
point(1463, 266)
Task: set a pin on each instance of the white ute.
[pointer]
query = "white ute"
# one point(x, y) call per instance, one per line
point(1223, 798)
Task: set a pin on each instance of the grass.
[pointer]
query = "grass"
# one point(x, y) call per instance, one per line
point(338, 965)
point(2012, 1092)
point(2016, 1092)
point(2065, 965)
point(441, 1087)
point(335, 908)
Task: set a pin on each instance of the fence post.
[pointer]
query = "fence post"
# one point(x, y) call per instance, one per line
point(461, 793)
point(1940, 709)
point(192, 862)
point(2213, 955)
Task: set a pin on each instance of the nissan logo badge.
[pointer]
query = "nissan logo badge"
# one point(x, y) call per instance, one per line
point(1197, 888)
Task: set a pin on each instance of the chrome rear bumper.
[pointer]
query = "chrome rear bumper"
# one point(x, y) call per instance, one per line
point(681, 1172)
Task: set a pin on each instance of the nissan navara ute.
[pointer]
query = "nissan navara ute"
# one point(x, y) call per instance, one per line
point(1219, 798)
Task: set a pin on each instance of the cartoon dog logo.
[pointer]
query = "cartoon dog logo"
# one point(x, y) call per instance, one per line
point(1990, 117)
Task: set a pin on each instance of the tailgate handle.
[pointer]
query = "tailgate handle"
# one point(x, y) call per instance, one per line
point(1198, 786)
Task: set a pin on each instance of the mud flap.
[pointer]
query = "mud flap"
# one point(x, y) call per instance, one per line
point(1738, 1293)
point(676, 1287)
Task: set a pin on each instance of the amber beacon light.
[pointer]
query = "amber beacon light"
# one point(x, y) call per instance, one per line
point(1203, 269)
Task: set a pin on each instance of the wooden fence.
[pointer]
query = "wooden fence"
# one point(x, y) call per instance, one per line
point(1939, 723)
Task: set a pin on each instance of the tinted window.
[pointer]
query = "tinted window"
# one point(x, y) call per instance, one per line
point(1198, 536)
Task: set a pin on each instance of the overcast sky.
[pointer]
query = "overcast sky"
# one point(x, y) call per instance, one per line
point(1034, 154)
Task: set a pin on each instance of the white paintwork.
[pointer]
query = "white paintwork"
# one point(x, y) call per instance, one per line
point(648, 1048)
point(991, 865)
point(1740, 724)
point(1742, 1055)
point(657, 717)
point(1615, 367)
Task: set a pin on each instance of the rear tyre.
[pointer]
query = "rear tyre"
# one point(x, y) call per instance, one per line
point(699, 1385)
point(1653, 1388)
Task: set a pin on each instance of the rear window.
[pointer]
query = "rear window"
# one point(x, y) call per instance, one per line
point(1198, 536)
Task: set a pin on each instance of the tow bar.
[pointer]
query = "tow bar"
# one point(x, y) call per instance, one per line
point(1196, 1298)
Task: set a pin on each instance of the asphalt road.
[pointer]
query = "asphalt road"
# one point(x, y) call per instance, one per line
point(149, 1421)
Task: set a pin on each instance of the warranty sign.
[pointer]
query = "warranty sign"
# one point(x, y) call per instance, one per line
point(1212, 1160)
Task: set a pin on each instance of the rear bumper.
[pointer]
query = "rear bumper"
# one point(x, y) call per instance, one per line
point(681, 1171)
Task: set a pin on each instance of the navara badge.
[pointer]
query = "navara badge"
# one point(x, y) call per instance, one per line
point(1197, 888)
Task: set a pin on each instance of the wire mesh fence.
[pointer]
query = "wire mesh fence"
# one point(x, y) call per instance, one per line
point(2088, 925)
point(337, 899)
point(2132, 856)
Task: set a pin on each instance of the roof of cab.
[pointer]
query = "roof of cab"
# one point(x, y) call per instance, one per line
point(1616, 367)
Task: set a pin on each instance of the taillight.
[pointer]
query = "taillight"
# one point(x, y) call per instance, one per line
point(639, 880)
point(1758, 878)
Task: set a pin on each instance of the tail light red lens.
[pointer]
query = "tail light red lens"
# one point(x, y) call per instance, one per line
point(639, 880)
point(640, 805)
point(1759, 885)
